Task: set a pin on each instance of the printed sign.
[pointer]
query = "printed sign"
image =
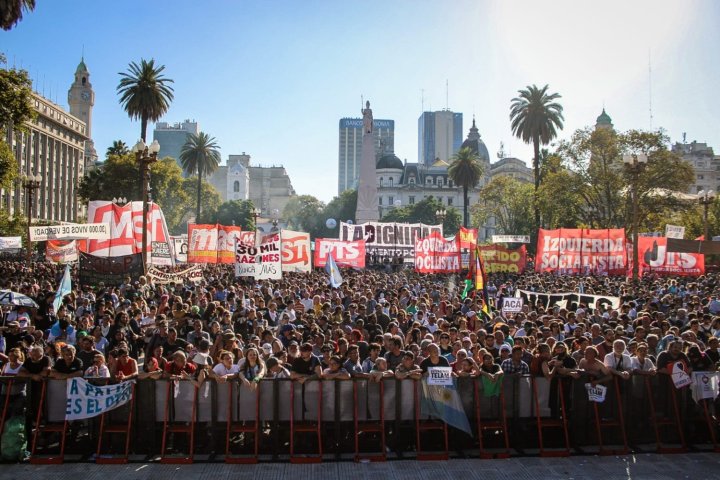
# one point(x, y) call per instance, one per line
point(263, 262)
point(61, 251)
point(85, 400)
point(226, 240)
point(434, 254)
point(654, 258)
point(180, 244)
point(705, 385)
point(679, 375)
point(346, 254)
point(597, 393)
point(95, 231)
point(388, 240)
point(512, 304)
point(161, 254)
point(674, 231)
point(10, 243)
point(440, 376)
point(499, 259)
point(192, 274)
point(569, 300)
point(109, 270)
point(581, 251)
point(295, 251)
point(510, 239)
point(212, 243)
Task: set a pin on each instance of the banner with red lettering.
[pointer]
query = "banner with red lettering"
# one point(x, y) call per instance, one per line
point(345, 253)
point(62, 251)
point(295, 251)
point(468, 237)
point(435, 254)
point(126, 228)
point(581, 251)
point(654, 258)
point(499, 259)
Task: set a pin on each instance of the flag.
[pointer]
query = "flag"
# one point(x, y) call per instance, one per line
point(332, 269)
point(480, 280)
point(490, 388)
point(64, 288)
point(444, 403)
point(468, 287)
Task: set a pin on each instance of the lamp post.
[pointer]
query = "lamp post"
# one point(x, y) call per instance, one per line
point(30, 183)
point(440, 215)
point(145, 155)
point(635, 164)
point(119, 201)
point(275, 219)
point(706, 199)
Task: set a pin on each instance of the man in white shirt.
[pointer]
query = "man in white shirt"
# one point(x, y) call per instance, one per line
point(618, 361)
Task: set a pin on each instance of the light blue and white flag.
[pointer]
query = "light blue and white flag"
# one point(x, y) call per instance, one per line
point(64, 288)
point(443, 402)
point(332, 269)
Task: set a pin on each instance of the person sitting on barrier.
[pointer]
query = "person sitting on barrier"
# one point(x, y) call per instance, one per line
point(380, 370)
point(37, 366)
point(640, 364)
point(408, 368)
point(514, 364)
point(591, 365)
point(306, 366)
point(335, 370)
point(619, 362)
point(68, 365)
point(672, 355)
point(98, 372)
point(179, 368)
point(226, 369)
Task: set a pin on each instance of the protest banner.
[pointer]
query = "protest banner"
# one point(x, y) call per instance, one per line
point(70, 231)
point(569, 300)
point(435, 254)
point(500, 259)
point(263, 262)
point(192, 274)
point(680, 377)
point(85, 400)
point(581, 251)
point(126, 228)
point(180, 247)
point(440, 376)
point(510, 239)
point(10, 243)
point(345, 253)
point(109, 270)
point(161, 254)
point(226, 240)
point(388, 240)
point(596, 393)
point(62, 251)
point(654, 257)
point(512, 304)
point(674, 231)
point(202, 243)
point(705, 385)
point(467, 237)
point(295, 251)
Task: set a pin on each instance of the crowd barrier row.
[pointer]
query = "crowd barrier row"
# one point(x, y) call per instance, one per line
point(284, 419)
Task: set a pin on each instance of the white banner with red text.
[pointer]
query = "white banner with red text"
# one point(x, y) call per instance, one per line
point(296, 254)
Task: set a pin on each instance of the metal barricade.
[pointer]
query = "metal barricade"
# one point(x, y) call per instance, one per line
point(177, 418)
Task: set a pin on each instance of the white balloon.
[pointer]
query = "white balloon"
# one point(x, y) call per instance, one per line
point(330, 223)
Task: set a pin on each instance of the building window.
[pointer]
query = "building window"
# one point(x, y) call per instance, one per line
point(450, 200)
point(381, 181)
point(428, 180)
point(412, 180)
point(391, 200)
point(390, 181)
point(411, 200)
point(379, 200)
point(450, 183)
point(236, 186)
point(440, 182)
point(701, 177)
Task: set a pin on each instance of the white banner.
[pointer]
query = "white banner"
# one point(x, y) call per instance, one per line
point(512, 304)
point(180, 246)
point(705, 385)
point(57, 251)
point(674, 231)
point(263, 262)
point(296, 254)
point(193, 274)
point(387, 241)
point(10, 243)
point(161, 254)
point(597, 393)
point(85, 400)
point(70, 231)
point(440, 376)
point(679, 375)
point(511, 239)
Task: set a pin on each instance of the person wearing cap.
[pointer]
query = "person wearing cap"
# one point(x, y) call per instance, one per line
point(307, 365)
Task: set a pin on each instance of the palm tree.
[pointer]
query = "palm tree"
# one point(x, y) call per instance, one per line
point(466, 171)
point(200, 155)
point(534, 117)
point(11, 12)
point(145, 93)
point(118, 148)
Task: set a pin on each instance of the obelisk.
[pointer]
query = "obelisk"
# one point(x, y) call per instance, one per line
point(367, 202)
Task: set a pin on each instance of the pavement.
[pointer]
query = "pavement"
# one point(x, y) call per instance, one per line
point(695, 466)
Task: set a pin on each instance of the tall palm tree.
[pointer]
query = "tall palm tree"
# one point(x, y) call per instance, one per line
point(145, 93)
point(11, 12)
point(118, 148)
point(466, 172)
point(535, 117)
point(200, 155)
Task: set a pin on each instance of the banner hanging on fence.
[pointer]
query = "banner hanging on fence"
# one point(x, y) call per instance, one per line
point(581, 251)
point(596, 393)
point(85, 400)
point(440, 376)
point(388, 240)
point(10, 243)
point(109, 270)
point(435, 254)
point(705, 385)
point(295, 251)
point(499, 259)
point(444, 402)
point(192, 274)
point(61, 251)
point(70, 231)
point(679, 375)
point(654, 257)
point(345, 253)
point(263, 262)
point(569, 300)
point(510, 239)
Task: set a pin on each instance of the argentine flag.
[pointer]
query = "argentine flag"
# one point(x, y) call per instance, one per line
point(444, 403)
point(332, 269)
point(64, 288)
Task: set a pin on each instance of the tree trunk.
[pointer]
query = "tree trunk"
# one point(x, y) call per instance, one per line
point(465, 207)
point(536, 168)
point(143, 135)
point(199, 195)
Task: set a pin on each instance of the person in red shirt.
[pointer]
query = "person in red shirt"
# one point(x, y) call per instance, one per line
point(124, 367)
point(179, 368)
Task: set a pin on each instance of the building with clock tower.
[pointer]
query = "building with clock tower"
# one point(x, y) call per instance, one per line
point(81, 99)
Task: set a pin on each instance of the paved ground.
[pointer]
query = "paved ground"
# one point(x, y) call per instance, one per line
point(646, 466)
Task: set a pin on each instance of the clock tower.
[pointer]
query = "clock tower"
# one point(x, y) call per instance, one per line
point(81, 99)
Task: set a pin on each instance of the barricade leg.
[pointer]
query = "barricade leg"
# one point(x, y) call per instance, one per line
point(499, 425)
point(427, 426)
point(618, 422)
point(40, 429)
point(666, 421)
point(6, 405)
point(543, 423)
point(369, 426)
point(305, 426)
point(171, 428)
point(120, 428)
point(252, 428)
point(712, 424)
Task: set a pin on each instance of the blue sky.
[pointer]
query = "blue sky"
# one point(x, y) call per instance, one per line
point(272, 78)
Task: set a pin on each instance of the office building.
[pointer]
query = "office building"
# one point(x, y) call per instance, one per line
point(350, 148)
point(440, 135)
point(172, 137)
point(705, 163)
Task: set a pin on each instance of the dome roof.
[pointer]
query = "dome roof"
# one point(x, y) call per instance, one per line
point(604, 119)
point(81, 66)
point(389, 160)
point(475, 143)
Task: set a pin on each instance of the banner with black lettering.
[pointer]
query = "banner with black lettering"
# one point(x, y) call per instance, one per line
point(388, 241)
point(85, 400)
point(264, 261)
point(569, 300)
point(192, 274)
point(109, 270)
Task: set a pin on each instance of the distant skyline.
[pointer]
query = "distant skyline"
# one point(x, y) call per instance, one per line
point(272, 78)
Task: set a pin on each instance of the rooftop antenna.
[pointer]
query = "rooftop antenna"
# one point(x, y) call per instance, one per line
point(650, 88)
point(43, 86)
point(501, 152)
point(684, 137)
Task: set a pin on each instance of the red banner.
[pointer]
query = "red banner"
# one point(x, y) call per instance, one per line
point(227, 237)
point(498, 259)
point(654, 258)
point(435, 254)
point(63, 251)
point(468, 237)
point(345, 253)
point(212, 243)
point(581, 251)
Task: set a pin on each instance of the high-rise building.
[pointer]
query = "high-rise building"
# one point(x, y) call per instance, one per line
point(172, 137)
point(81, 99)
point(440, 135)
point(705, 163)
point(350, 150)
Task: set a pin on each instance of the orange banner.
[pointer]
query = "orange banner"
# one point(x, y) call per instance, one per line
point(468, 237)
point(498, 259)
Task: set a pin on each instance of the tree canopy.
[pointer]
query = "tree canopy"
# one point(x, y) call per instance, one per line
point(424, 211)
point(235, 212)
point(509, 202)
point(15, 110)
point(304, 213)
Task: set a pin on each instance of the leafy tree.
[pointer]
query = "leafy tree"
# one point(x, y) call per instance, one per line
point(534, 117)
point(424, 211)
point(145, 93)
point(466, 171)
point(560, 206)
point(304, 213)
point(509, 202)
point(200, 155)
point(341, 208)
point(15, 110)
point(118, 148)
point(235, 212)
point(210, 198)
point(13, 226)
point(11, 12)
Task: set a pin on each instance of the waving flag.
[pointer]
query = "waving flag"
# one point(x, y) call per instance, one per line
point(64, 288)
point(332, 269)
point(444, 403)
point(480, 279)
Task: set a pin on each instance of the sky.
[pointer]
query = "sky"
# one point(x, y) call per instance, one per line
point(272, 78)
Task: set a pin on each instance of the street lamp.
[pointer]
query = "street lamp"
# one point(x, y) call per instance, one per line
point(30, 183)
point(275, 219)
point(440, 215)
point(119, 201)
point(145, 155)
point(635, 164)
point(706, 199)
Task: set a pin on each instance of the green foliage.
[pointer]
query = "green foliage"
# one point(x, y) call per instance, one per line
point(16, 106)
point(341, 208)
point(510, 202)
point(424, 211)
point(466, 171)
point(145, 93)
point(118, 148)
point(13, 226)
point(200, 155)
point(304, 213)
point(210, 198)
point(235, 212)
point(8, 165)
point(11, 12)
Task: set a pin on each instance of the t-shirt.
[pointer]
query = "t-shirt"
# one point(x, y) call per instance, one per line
point(35, 368)
point(427, 363)
point(393, 360)
point(303, 367)
point(222, 371)
point(62, 367)
point(173, 369)
point(664, 359)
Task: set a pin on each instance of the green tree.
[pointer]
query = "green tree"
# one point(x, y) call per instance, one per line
point(145, 93)
point(235, 212)
point(534, 117)
point(11, 12)
point(304, 213)
point(118, 148)
point(15, 110)
point(466, 171)
point(341, 208)
point(509, 202)
point(200, 156)
point(560, 206)
point(425, 211)
point(210, 198)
